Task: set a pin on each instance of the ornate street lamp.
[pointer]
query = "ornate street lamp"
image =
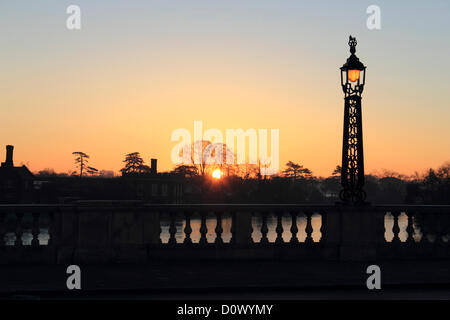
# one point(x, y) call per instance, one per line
point(353, 75)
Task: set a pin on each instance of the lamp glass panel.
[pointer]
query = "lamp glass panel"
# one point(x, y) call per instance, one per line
point(353, 75)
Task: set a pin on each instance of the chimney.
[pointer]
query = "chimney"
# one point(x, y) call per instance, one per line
point(154, 166)
point(9, 157)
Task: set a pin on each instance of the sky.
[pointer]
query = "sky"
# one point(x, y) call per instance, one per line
point(138, 70)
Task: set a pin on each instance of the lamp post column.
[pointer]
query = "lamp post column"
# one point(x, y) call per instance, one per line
point(352, 169)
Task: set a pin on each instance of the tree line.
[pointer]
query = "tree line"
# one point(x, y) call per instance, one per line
point(295, 183)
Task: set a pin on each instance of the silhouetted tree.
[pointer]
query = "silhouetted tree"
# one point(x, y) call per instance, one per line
point(295, 170)
point(134, 164)
point(206, 156)
point(81, 161)
point(50, 172)
point(307, 173)
point(47, 172)
point(209, 155)
point(91, 170)
point(249, 171)
point(186, 170)
point(391, 190)
point(337, 171)
point(444, 171)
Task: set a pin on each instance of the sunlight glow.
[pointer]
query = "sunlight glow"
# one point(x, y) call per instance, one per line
point(217, 174)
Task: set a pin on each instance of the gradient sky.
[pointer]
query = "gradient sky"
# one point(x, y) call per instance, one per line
point(137, 70)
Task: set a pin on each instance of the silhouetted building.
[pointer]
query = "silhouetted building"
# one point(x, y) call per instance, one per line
point(153, 166)
point(156, 187)
point(16, 183)
point(148, 186)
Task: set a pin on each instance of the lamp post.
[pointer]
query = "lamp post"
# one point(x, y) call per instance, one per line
point(353, 74)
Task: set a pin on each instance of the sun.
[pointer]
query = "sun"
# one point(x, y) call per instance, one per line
point(217, 174)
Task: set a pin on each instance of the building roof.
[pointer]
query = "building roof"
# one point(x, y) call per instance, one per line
point(22, 171)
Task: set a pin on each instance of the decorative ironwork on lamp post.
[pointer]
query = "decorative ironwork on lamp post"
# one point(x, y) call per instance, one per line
point(353, 75)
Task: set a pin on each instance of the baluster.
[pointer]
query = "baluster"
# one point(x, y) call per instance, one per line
point(380, 228)
point(172, 229)
point(159, 227)
point(294, 228)
point(251, 229)
point(323, 225)
point(51, 227)
point(233, 227)
point(439, 230)
point(279, 228)
point(264, 228)
point(396, 228)
point(187, 228)
point(309, 228)
point(410, 227)
point(35, 229)
point(203, 228)
point(219, 229)
point(424, 238)
point(19, 230)
point(2, 229)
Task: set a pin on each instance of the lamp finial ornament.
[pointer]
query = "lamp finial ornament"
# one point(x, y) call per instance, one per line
point(352, 43)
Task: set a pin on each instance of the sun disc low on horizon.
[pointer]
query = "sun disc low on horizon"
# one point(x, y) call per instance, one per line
point(216, 174)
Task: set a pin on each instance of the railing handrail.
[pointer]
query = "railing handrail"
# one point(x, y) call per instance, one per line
point(413, 208)
point(110, 229)
point(134, 204)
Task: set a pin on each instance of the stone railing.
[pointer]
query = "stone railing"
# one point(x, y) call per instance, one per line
point(114, 232)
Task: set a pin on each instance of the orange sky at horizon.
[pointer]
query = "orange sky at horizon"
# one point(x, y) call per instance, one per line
point(131, 76)
point(107, 123)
